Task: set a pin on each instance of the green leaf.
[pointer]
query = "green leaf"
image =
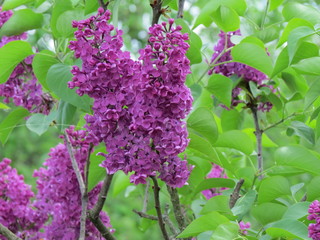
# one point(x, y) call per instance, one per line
point(3, 106)
point(225, 231)
point(230, 119)
point(10, 122)
point(272, 188)
point(312, 94)
point(59, 7)
point(221, 87)
point(120, 183)
point(298, 157)
point(297, 211)
point(11, 4)
point(307, 12)
point(302, 130)
point(91, 6)
point(217, 203)
point(295, 38)
point(244, 204)
point(41, 63)
point(194, 53)
point(226, 18)
point(203, 123)
point(39, 123)
point(274, 4)
point(64, 22)
point(305, 50)
point(237, 140)
point(96, 173)
point(308, 66)
point(317, 130)
point(288, 228)
point(204, 223)
point(65, 115)
point(57, 80)
point(292, 24)
point(252, 55)
point(214, 183)
point(268, 212)
point(21, 21)
point(313, 189)
point(11, 55)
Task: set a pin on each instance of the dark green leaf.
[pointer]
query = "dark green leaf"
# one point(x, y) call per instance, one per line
point(11, 55)
point(96, 173)
point(10, 122)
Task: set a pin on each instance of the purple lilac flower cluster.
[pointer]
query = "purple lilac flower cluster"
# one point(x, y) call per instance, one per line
point(216, 172)
point(59, 197)
point(243, 227)
point(15, 206)
point(314, 214)
point(246, 72)
point(22, 86)
point(138, 105)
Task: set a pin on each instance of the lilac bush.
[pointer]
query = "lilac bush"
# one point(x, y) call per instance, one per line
point(314, 214)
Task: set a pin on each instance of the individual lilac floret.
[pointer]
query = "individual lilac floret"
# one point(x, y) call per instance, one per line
point(241, 70)
point(243, 227)
point(22, 87)
point(314, 214)
point(216, 172)
point(138, 105)
point(59, 197)
point(15, 207)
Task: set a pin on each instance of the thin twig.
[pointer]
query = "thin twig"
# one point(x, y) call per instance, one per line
point(258, 132)
point(166, 218)
point(180, 9)
point(103, 5)
point(178, 213)
point(146, 197)
point(281, 121)
point(4, 231)
point(84, 198)
point(236, 193)
point(156, 190)
point(95, 211)
point(156, 11)
point(145, 215)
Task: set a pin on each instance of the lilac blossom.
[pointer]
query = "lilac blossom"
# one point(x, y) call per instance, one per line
point(59, 198)
point(216, 172)
point(245, 72)
point(243, 227)
point(138, 105)
point(314, 214)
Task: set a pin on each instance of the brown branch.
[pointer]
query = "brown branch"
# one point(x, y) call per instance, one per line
point(235, 195)
point(103, 5)
point(180, 9)
point(95, 211)
point(178, 213)
point(281, 121)
point(156, 190)
point(84, 196)
point(145, 215)
point(156, 11)
point(258, 132)
point(4, 231)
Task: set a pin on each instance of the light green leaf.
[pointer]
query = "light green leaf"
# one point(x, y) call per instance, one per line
point(237, 140)
point(194, 53)
point(298, 157)
point(218, 203)
point(21, 21)
point(292, 24)
point(295, 38)
point(225, 231)
point(230, 119)
point(11, 55)
point(268, 212)
point(214, 183)
point(312, 94)
point(221, 87)
point(65, 115)
point(297, 211)
point(96, 173)
point(296, 10)
point(64, 22)
point(57, 79)
point(39, 123)
point(308, 66)
point(252, 55)
point(226, 18)
point(272, 188)
point(288, 228)
point(244, 204)
point(313, 189)
point(10, 122)
point(11, 4)
point(274, 4)
point(91, 6)
point(41, 63)
point(204, 223)
point(203, 123)
point(3, 106)
point(302, 130)
point(59, 7)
